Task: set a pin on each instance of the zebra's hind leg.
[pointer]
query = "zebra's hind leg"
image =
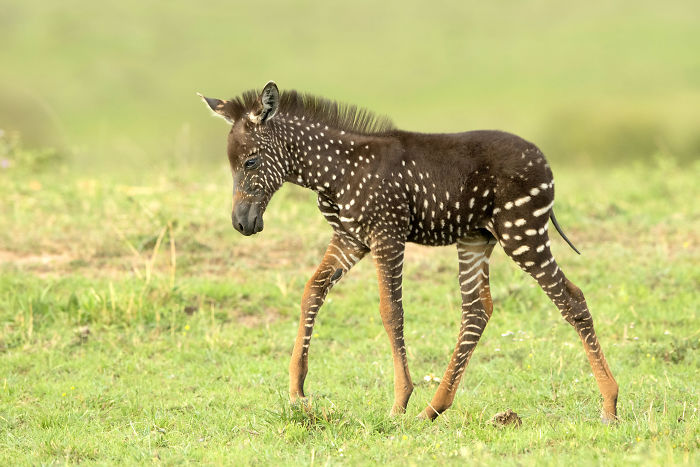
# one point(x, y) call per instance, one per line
point(473, 253)
point(536, 259)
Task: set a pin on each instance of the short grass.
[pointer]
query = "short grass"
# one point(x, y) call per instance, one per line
point(136, 326)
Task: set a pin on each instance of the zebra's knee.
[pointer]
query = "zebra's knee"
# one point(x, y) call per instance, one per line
point(317, 288)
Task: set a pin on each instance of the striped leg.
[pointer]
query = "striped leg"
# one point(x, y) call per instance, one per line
point(540, 264)
point(341, 255)
point(388, 260)
point(473, 255)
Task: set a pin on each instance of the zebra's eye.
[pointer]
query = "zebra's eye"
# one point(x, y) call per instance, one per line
point(251, 163)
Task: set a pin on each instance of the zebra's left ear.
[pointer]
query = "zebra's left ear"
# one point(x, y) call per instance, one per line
point(267, 104)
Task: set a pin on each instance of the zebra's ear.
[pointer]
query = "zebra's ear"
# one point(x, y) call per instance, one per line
point(218, 107)
point(267, 104)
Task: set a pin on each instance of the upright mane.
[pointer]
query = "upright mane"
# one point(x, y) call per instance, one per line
point(344, 117)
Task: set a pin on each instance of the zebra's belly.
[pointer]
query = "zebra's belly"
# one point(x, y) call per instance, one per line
point(440, 233)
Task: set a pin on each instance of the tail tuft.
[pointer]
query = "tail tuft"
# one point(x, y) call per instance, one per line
point(556, 225)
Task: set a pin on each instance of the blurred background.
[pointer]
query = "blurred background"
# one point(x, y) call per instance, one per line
point(111, 85)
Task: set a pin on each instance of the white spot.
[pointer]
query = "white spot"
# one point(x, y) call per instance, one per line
point(520, 222)
point(521, 201)
point(520, 250)
point(539, 212)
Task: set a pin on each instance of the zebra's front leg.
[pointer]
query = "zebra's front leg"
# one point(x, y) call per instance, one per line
point(341, 255)
point(388, 260)
point(473, 253)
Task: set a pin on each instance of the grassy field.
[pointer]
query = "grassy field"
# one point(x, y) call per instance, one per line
point(138, 326)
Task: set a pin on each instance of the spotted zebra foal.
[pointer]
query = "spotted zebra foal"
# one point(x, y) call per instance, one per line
point(380, 187)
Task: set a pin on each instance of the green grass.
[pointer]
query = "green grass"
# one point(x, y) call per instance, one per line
point(137, 326)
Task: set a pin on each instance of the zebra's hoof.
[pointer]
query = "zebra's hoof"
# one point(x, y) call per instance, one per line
point(609, 419)
point(303, 403)
point(427, 414)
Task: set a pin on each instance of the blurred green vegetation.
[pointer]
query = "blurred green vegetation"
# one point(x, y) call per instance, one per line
point(113, 83)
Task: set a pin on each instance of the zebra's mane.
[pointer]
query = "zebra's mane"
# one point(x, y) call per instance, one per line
point(317, 109)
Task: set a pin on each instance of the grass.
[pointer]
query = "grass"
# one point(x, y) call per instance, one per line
point(138, 327)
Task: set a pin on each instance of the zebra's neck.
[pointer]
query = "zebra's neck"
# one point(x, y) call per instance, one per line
point(326, 160)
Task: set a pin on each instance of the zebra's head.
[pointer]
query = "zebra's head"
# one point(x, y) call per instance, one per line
point(256, 153)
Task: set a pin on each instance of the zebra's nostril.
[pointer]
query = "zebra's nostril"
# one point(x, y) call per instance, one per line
point(258, 223)
point(240, 227)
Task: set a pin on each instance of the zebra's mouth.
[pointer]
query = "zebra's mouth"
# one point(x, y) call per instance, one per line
point(247, 218)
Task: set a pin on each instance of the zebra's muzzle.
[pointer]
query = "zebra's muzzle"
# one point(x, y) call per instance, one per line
point(247, 218)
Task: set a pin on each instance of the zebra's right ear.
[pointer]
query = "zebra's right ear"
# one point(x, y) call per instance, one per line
point(218, 107)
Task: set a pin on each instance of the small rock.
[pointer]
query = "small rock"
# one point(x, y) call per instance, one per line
point(82, 334)
point(506, 418)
